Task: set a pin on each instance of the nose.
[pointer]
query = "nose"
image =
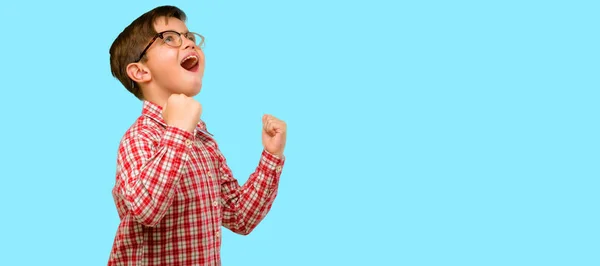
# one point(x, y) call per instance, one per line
point(187, 43)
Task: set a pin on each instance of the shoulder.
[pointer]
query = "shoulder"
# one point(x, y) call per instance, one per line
point(143, 129)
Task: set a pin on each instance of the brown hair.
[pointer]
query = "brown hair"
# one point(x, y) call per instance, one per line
point(130, 43)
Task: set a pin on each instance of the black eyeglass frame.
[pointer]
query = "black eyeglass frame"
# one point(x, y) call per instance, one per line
point(160, 35)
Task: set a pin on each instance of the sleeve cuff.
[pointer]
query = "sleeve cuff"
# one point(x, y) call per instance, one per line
point(178, 138)
point(271, 162)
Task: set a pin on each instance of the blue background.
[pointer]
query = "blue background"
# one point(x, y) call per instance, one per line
point(420, 132)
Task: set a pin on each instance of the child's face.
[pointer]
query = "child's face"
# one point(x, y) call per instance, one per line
point(169, 68)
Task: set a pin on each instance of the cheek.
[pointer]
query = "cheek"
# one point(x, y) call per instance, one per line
point(165, 66)
point(165, 56)
point(201, 53)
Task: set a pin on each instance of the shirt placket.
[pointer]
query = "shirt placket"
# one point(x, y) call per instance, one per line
point(210, 169)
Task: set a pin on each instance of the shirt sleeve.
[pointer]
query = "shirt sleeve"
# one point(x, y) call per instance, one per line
point(245, 206)
point(149, 173)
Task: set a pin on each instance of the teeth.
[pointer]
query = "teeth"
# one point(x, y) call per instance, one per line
point(190, 57)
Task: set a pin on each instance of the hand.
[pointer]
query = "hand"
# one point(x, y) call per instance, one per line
point(182, 111)
point(273, 135)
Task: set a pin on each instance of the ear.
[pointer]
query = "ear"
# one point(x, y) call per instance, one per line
point(138, 72)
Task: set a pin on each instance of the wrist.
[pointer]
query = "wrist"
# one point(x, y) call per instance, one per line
point(276, 154)
point(183, 126)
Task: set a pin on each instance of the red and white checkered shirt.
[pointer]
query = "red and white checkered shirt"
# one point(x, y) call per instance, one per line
point(174, 190)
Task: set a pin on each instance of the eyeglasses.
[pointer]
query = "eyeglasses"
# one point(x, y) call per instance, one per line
point(173, 38)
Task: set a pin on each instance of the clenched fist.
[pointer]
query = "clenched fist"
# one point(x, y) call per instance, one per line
point(273, 135)
point(182, 111)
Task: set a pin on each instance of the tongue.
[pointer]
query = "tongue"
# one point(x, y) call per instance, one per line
point(189, 63)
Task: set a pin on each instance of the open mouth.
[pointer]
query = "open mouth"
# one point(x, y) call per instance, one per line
point(190, 63)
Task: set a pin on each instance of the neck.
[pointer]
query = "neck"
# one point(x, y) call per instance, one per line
point(158, 97)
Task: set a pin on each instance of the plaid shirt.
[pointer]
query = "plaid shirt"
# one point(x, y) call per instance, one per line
point(174, 190)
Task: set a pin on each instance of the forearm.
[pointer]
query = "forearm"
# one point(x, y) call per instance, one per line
point(246, 206)
point(151, 176)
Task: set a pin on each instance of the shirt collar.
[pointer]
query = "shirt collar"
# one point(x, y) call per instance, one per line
point(154, 112)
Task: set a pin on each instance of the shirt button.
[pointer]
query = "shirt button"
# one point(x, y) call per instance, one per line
point(215, 203)
point(188, 142)
point(278, 169)
point(209, 175)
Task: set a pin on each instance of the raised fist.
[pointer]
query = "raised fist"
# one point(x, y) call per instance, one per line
point(274, 135)
point(182, 111)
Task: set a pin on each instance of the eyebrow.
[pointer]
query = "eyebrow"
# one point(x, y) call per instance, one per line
point(188, 31)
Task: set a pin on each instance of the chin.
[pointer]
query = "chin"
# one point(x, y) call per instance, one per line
point(194, 90)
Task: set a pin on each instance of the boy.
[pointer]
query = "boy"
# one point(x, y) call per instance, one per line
point(173, 188)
